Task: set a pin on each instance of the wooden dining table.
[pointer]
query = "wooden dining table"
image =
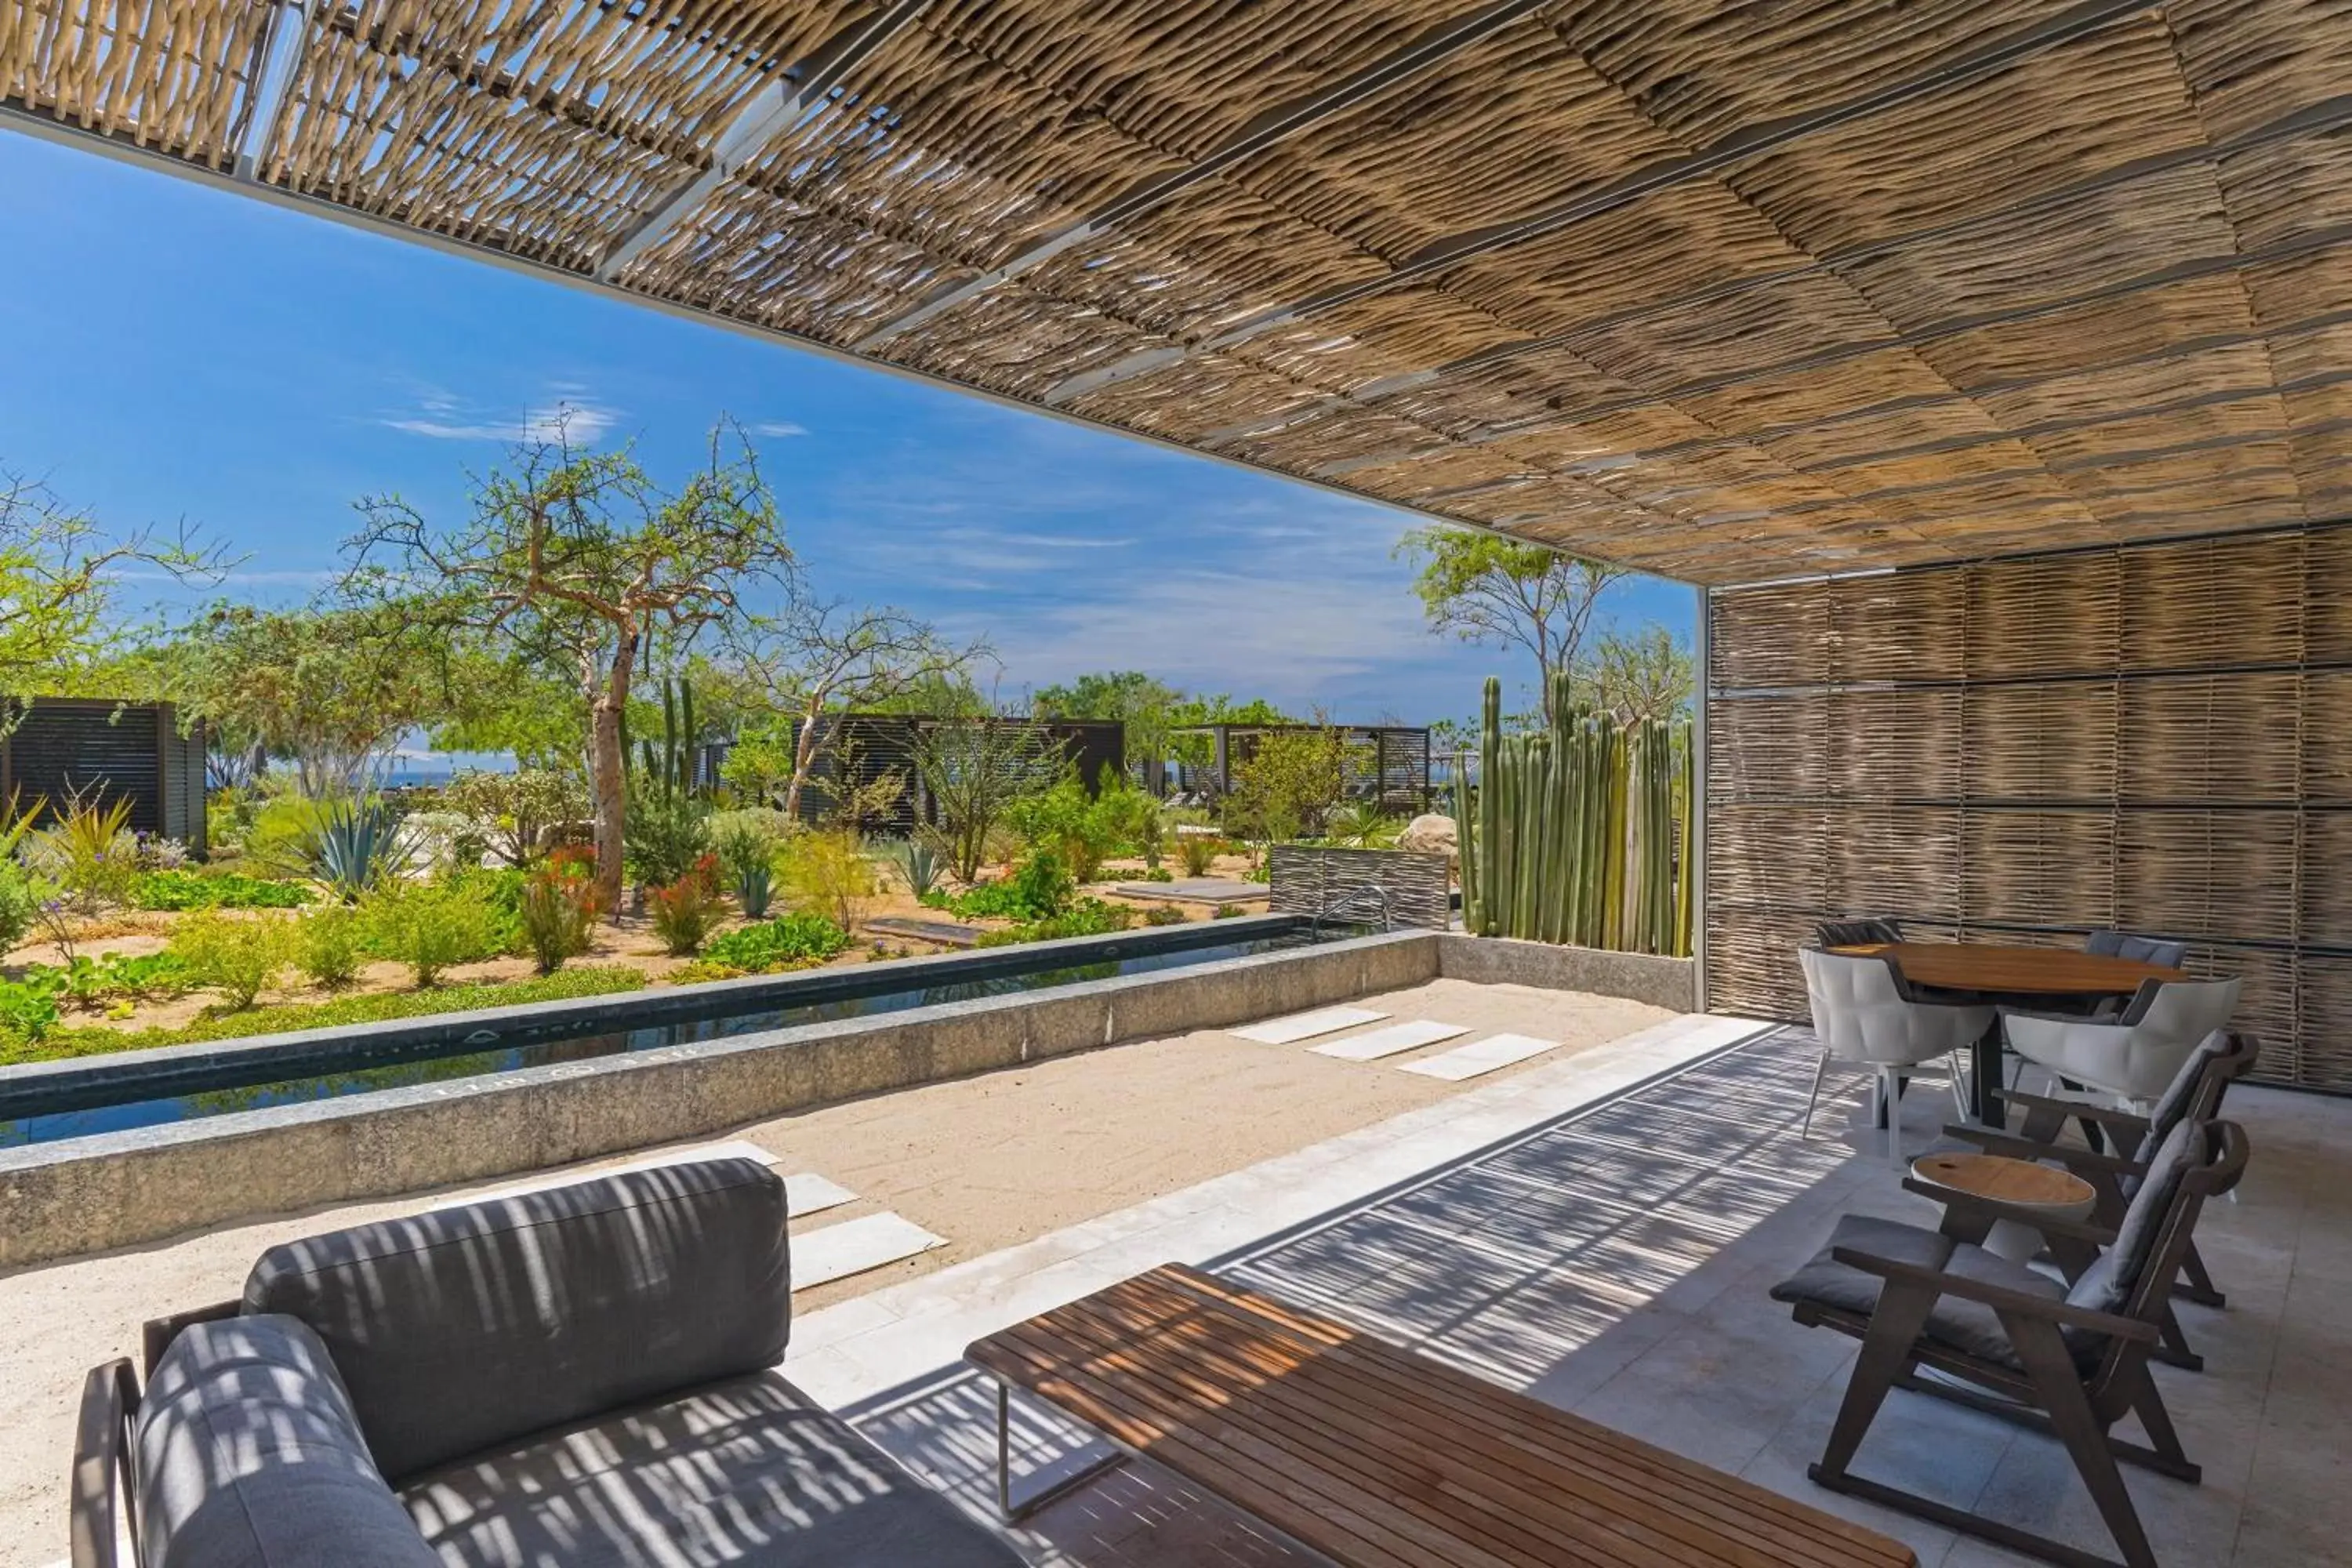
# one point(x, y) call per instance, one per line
point(1997, 974)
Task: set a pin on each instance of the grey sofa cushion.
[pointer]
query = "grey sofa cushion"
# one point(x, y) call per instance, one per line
point(746, 1472)
point(471, 1326)
point(1966, 1326)
point(249, 1456)
point(2106, 1285)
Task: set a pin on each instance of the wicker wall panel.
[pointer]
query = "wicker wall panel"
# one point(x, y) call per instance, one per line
point(1771, 747)
point(2039, 868)
point(2212, 737)
point(2327, 893)
point(2213, 600)
point(1913, 621)
point(1900, 860)
point(1751, 966)
point(1770, 637)
point(1767, 855)
point(1898, 744)
point(2053, 742)
point(2220, 874)
point(2050, 615)
point(2152, 737)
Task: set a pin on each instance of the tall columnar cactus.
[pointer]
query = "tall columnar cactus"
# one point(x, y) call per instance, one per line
point(1580, 832)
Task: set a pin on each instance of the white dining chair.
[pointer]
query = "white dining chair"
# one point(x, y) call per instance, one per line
point(1865, 1015)
point(2132, 1057)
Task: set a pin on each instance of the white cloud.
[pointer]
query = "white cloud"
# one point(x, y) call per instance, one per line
point(441, 418)
point(778, 428)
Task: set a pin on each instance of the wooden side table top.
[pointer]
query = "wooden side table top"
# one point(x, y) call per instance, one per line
point(1999, 970)
point(1378, 1458)
point(2007, 1180)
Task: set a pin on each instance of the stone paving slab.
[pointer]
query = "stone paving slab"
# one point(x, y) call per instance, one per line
point(1307, 1025)
point(1482, 1056)
point(1393, 1040)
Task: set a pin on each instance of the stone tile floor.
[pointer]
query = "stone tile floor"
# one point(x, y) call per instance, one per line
point(1614, 1261)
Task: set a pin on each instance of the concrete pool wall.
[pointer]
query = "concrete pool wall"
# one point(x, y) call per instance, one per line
point(120, 1189)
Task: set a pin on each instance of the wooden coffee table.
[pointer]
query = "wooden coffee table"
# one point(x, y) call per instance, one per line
point(1377, 1458)
point(2020, 1184)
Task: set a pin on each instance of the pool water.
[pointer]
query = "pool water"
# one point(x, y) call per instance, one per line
point(48, 1116)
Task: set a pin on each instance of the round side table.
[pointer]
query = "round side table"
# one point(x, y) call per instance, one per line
point(2020, 1184)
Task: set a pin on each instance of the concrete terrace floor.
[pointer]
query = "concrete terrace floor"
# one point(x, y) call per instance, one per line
point(1605, 1244)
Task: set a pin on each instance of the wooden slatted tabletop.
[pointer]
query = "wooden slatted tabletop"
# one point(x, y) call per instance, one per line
point(1996, 968)
point(1378, 1458)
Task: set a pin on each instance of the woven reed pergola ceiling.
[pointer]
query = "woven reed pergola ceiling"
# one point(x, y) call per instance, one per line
point(1724, 291)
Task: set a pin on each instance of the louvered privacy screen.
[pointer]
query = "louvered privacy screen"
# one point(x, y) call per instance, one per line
point(2157, 737)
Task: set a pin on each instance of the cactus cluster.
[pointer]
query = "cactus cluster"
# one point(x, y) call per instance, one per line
point(1580, 832)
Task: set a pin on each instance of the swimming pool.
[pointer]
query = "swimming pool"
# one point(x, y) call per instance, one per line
point(111, 1094)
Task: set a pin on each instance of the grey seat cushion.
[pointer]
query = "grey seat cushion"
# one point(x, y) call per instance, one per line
point(472, 1326)
point(1968, 1327)
point(249, 1456)
point(746, 1472)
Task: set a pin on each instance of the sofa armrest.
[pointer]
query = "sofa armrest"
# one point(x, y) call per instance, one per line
point(104, 1509)
point(156, 1334)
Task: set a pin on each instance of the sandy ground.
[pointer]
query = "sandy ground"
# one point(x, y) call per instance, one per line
point(987, 1161)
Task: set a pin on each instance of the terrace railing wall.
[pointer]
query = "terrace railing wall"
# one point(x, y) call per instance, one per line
point(2154, 737)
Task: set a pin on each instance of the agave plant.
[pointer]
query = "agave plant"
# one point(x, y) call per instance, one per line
point(920, 862)
point(1362, 825)
point(353, 843)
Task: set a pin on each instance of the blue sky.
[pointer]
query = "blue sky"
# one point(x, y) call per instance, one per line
point(182, 353)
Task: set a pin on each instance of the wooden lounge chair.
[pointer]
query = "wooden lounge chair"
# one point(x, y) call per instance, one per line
point(2068, 1360)
point(2195, 1095)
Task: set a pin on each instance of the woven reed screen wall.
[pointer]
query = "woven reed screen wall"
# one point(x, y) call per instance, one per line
point(2152, 737)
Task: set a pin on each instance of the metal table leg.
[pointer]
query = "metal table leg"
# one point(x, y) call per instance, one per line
point(1007, 1510)
point(1984, 1074)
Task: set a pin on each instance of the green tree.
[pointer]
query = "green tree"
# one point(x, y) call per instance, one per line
point(974, 768)
point(1644, 674)
point(1144, 704)
point(580, 562)
point(1284, 786)
point(1487, 589)
point(820, 656)
point(60, 573)
point(331, 689)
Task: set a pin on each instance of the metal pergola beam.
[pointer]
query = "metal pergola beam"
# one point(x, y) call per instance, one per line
point(281, 50)
point(1275, 125)
point(775, 108)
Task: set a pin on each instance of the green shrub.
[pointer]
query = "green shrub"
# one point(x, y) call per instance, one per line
point(1227, 911)
point(1083, 830)
point(89, 853)
point(828, 872)
point(664, 832)
point(788, 942)
point(1163, 915)
point(1199, 853)
point(1038, 888)
point(559, 909)
point(20, 905)
point(683, 911)
point(353, 844)
point(175, 890)
point(240, 957)
point(1087, 917)
point(746, 844)
point(28, 1008)
point(333, 944)
point(429, 926)
point(364, 1008)
point(499, 891)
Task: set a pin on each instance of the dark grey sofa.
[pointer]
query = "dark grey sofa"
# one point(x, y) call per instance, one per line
point(579, 1376)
